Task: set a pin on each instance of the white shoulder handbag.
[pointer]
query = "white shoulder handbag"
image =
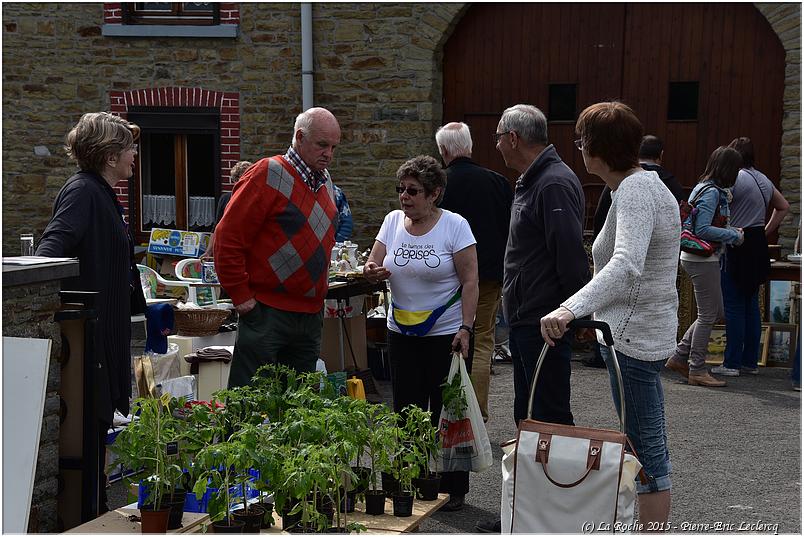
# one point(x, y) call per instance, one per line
point(565, 479)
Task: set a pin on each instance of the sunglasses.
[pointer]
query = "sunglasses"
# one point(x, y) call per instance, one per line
point(412, 191)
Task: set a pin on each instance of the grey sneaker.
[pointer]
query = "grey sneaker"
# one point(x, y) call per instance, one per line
point(749, 370)
point(725, 371)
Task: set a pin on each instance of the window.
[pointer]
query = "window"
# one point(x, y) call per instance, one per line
point(194, 13)
point(561, 102)
point(682, 101)
point(179, 169)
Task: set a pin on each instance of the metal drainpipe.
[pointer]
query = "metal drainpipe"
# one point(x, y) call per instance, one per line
point(307, 55)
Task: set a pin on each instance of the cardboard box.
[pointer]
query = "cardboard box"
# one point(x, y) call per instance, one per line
point(178, 243)
point(331, 347)
point(190, 344)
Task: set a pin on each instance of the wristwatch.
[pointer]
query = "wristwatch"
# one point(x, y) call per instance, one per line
point(467, 328)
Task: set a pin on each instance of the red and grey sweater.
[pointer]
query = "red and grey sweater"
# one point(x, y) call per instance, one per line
point(275, 238)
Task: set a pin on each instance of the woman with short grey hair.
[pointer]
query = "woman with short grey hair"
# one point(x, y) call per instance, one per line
point(428, 256)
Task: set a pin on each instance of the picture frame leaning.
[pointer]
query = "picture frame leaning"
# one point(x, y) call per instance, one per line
point(717, 345)
point(781, 344)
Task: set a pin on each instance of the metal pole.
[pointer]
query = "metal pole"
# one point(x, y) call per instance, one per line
point(307, 55)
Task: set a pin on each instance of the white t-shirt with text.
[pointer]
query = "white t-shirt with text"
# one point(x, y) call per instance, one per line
point(423, 275)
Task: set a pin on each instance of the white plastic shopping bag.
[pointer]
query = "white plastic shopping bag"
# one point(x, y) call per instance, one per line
point(464, 441)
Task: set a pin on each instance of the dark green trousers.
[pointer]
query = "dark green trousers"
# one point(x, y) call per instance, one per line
point(267, 335)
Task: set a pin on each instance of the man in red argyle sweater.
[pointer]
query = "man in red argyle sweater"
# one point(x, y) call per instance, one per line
point(272, 250)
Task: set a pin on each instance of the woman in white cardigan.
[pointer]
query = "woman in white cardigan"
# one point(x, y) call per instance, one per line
point(633, 289)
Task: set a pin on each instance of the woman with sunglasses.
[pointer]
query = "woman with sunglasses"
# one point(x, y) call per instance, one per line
point(428, 256)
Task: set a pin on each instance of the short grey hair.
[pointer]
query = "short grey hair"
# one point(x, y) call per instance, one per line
point(427, 171)
point(527, 121)
point(238, 170)
point(302, 123)
point(455, 139)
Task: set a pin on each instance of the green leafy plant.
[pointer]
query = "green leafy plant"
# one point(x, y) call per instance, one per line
point(381, 440)
point(423, 438)
point(151, 442)
point(453, 397)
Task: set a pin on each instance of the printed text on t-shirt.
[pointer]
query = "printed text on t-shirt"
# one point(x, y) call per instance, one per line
point(426, 253)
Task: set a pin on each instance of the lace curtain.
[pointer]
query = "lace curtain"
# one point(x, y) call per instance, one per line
point(161, 210)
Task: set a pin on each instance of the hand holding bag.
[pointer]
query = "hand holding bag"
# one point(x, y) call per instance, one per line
point(464, 441)
point(565, 479)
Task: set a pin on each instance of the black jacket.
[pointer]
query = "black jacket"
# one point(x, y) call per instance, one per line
point(545, 261)
point(483, 197)
point(87, 224)
point(604, 204)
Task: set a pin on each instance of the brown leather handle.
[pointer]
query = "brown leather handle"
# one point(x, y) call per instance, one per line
point(592, 459)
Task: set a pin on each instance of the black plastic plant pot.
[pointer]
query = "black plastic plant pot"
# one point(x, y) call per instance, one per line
point(176, 504)
point(348, 501)
point(361, 484)
point(427, 487)
point(268, 507)
point(224, 526)
point(253, 519)
point(290, 521)
point(375, 502)
point(390, 484)
point(403, 504)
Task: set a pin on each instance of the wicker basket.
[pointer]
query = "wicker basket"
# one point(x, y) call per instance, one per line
point(205, 322)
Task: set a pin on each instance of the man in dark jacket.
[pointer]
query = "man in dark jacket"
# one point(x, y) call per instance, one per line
point(483, 197)
point(545, 262)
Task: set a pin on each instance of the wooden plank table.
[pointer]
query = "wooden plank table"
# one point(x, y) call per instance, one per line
point(387, 523)
point(121, 521)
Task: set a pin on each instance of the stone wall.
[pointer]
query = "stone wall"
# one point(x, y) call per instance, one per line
point(377, 66)
point(28, 312)
point(785, 19)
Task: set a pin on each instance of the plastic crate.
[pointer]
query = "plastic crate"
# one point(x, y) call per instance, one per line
point(194, 505)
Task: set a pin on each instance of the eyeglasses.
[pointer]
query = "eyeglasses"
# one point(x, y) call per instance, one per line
point(498, 135)
point(412, 191)
point(579, 144)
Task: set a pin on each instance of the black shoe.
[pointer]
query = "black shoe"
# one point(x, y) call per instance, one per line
point(594, 361)
point(489, 526)
point(455, 503)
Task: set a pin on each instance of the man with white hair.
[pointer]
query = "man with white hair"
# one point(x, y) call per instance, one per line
point(272, 250)
point(483, 197)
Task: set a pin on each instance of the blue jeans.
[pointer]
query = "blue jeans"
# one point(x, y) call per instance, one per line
point(645, 423)
point(552, 400)
point(743, 325)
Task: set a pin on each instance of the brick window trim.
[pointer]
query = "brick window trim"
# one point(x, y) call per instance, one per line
point(113, 13)
point(228, 103)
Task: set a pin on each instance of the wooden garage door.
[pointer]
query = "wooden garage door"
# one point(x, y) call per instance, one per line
point(503, 54)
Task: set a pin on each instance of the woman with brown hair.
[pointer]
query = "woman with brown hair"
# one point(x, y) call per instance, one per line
point(711, 197)
point(88, 224)
point(633, 289)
